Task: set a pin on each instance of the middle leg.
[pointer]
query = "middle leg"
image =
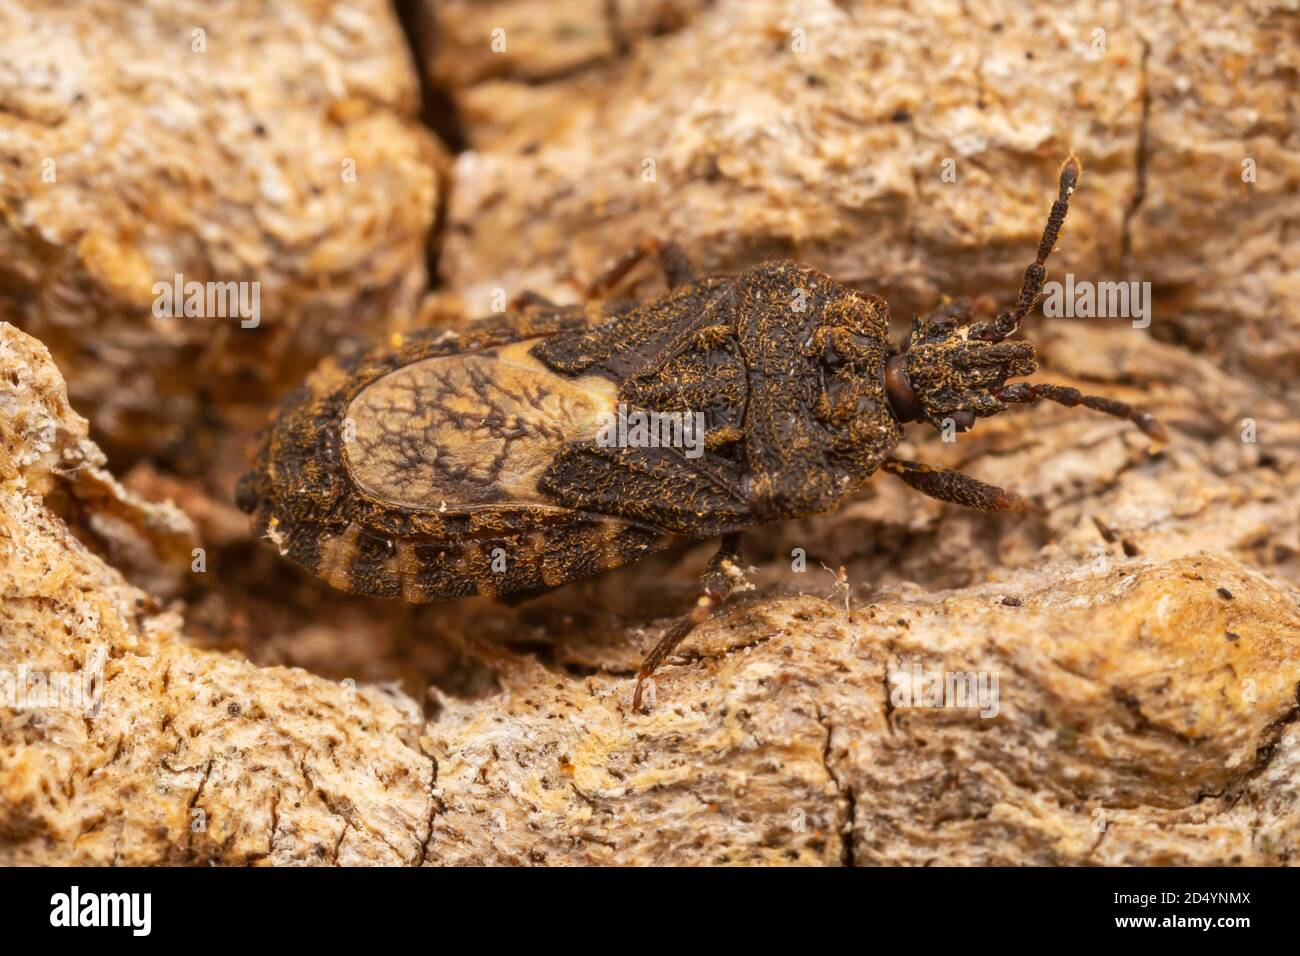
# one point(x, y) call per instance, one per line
point(717, 582)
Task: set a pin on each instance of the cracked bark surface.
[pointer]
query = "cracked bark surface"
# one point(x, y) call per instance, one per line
point(183, 737)
point(165, 138)
point(1154, 694)
point(834, 155)
point(1143, 631)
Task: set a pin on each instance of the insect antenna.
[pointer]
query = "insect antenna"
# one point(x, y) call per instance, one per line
point(1023, 393)
point(1007, 323)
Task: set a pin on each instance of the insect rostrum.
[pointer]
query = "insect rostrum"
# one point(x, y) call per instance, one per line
point(467, 463)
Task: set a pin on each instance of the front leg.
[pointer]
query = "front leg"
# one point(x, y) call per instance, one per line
point(717, 582)
point(954, 487)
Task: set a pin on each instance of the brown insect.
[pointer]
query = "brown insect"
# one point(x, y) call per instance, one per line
point(467, 463)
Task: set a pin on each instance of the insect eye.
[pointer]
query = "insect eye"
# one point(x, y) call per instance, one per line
point(963, 420)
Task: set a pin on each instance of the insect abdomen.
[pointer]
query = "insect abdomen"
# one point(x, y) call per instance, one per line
point(414, 474)
point(357, 560)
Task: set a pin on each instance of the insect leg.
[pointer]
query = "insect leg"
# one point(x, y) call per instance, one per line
point(528, 297)
point(717, 582)
point(954, 487)
point(1036, 273)
point(677, 268)
point(1022, 393)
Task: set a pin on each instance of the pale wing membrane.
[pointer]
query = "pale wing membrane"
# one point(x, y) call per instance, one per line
point(462, 431)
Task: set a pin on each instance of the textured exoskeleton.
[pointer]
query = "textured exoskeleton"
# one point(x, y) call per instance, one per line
point(456, 464)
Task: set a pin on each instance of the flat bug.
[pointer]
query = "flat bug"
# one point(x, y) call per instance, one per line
point(463, 463)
